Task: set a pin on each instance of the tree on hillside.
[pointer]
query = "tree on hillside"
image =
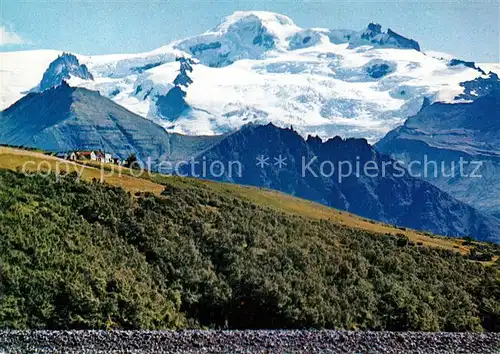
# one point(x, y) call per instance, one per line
point(132, 162)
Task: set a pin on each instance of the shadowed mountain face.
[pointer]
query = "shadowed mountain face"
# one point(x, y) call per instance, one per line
point(374, 35)
point(67, 119)
point(450, 133)
point(393, 196)
point(171, 105)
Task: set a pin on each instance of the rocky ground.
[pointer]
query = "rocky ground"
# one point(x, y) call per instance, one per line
point(246, 342)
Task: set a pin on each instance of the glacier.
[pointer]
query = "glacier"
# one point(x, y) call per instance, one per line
point(261, 67)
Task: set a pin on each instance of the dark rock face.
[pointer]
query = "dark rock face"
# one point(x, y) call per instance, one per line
point(389, 197)
point(264, 39)
point(171, 105)
point(374, 35)
point(469, 64)
point(403, 41)
point(68, 119)
point(61, 69)
point(479, 87)
point(379, 68)
point(141, 69)
point(450, 133)
point(114, 93)
point(185, 66)
point(373, 30)
point(304, 39)
point(182, 80)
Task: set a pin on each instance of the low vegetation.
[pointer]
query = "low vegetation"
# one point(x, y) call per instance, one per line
point(77, 254)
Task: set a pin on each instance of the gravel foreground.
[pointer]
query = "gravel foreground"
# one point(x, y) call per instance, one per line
point(245, 342)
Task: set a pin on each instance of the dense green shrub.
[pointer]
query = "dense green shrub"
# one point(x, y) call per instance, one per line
point(85, 255)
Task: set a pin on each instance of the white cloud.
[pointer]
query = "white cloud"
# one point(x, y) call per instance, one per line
point(9, 37)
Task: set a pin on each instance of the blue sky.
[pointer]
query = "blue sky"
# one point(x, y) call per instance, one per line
point(468, 29)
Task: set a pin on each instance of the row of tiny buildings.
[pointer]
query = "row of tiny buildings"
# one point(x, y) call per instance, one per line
point(98, 156)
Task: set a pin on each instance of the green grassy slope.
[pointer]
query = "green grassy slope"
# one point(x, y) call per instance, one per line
point(87, 255)
point(14, 159)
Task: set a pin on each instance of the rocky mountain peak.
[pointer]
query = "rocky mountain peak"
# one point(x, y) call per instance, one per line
point(374, 35)
point(373, 30)
point(63, 68)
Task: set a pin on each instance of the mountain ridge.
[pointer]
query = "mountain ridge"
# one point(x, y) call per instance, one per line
point(450, 133)
point(399, 200)
point(65, 118)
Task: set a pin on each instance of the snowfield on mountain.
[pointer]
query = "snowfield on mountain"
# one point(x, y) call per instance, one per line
point(260, 67)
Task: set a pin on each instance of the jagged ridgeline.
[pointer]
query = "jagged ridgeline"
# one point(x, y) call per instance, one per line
point(82, 255)
point(391, 197)
point(63, 68)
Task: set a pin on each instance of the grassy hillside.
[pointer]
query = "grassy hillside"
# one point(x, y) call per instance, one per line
point(14, 159)
point(87, 255)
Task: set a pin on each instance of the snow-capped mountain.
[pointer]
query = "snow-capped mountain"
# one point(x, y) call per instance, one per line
point(261, 67)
